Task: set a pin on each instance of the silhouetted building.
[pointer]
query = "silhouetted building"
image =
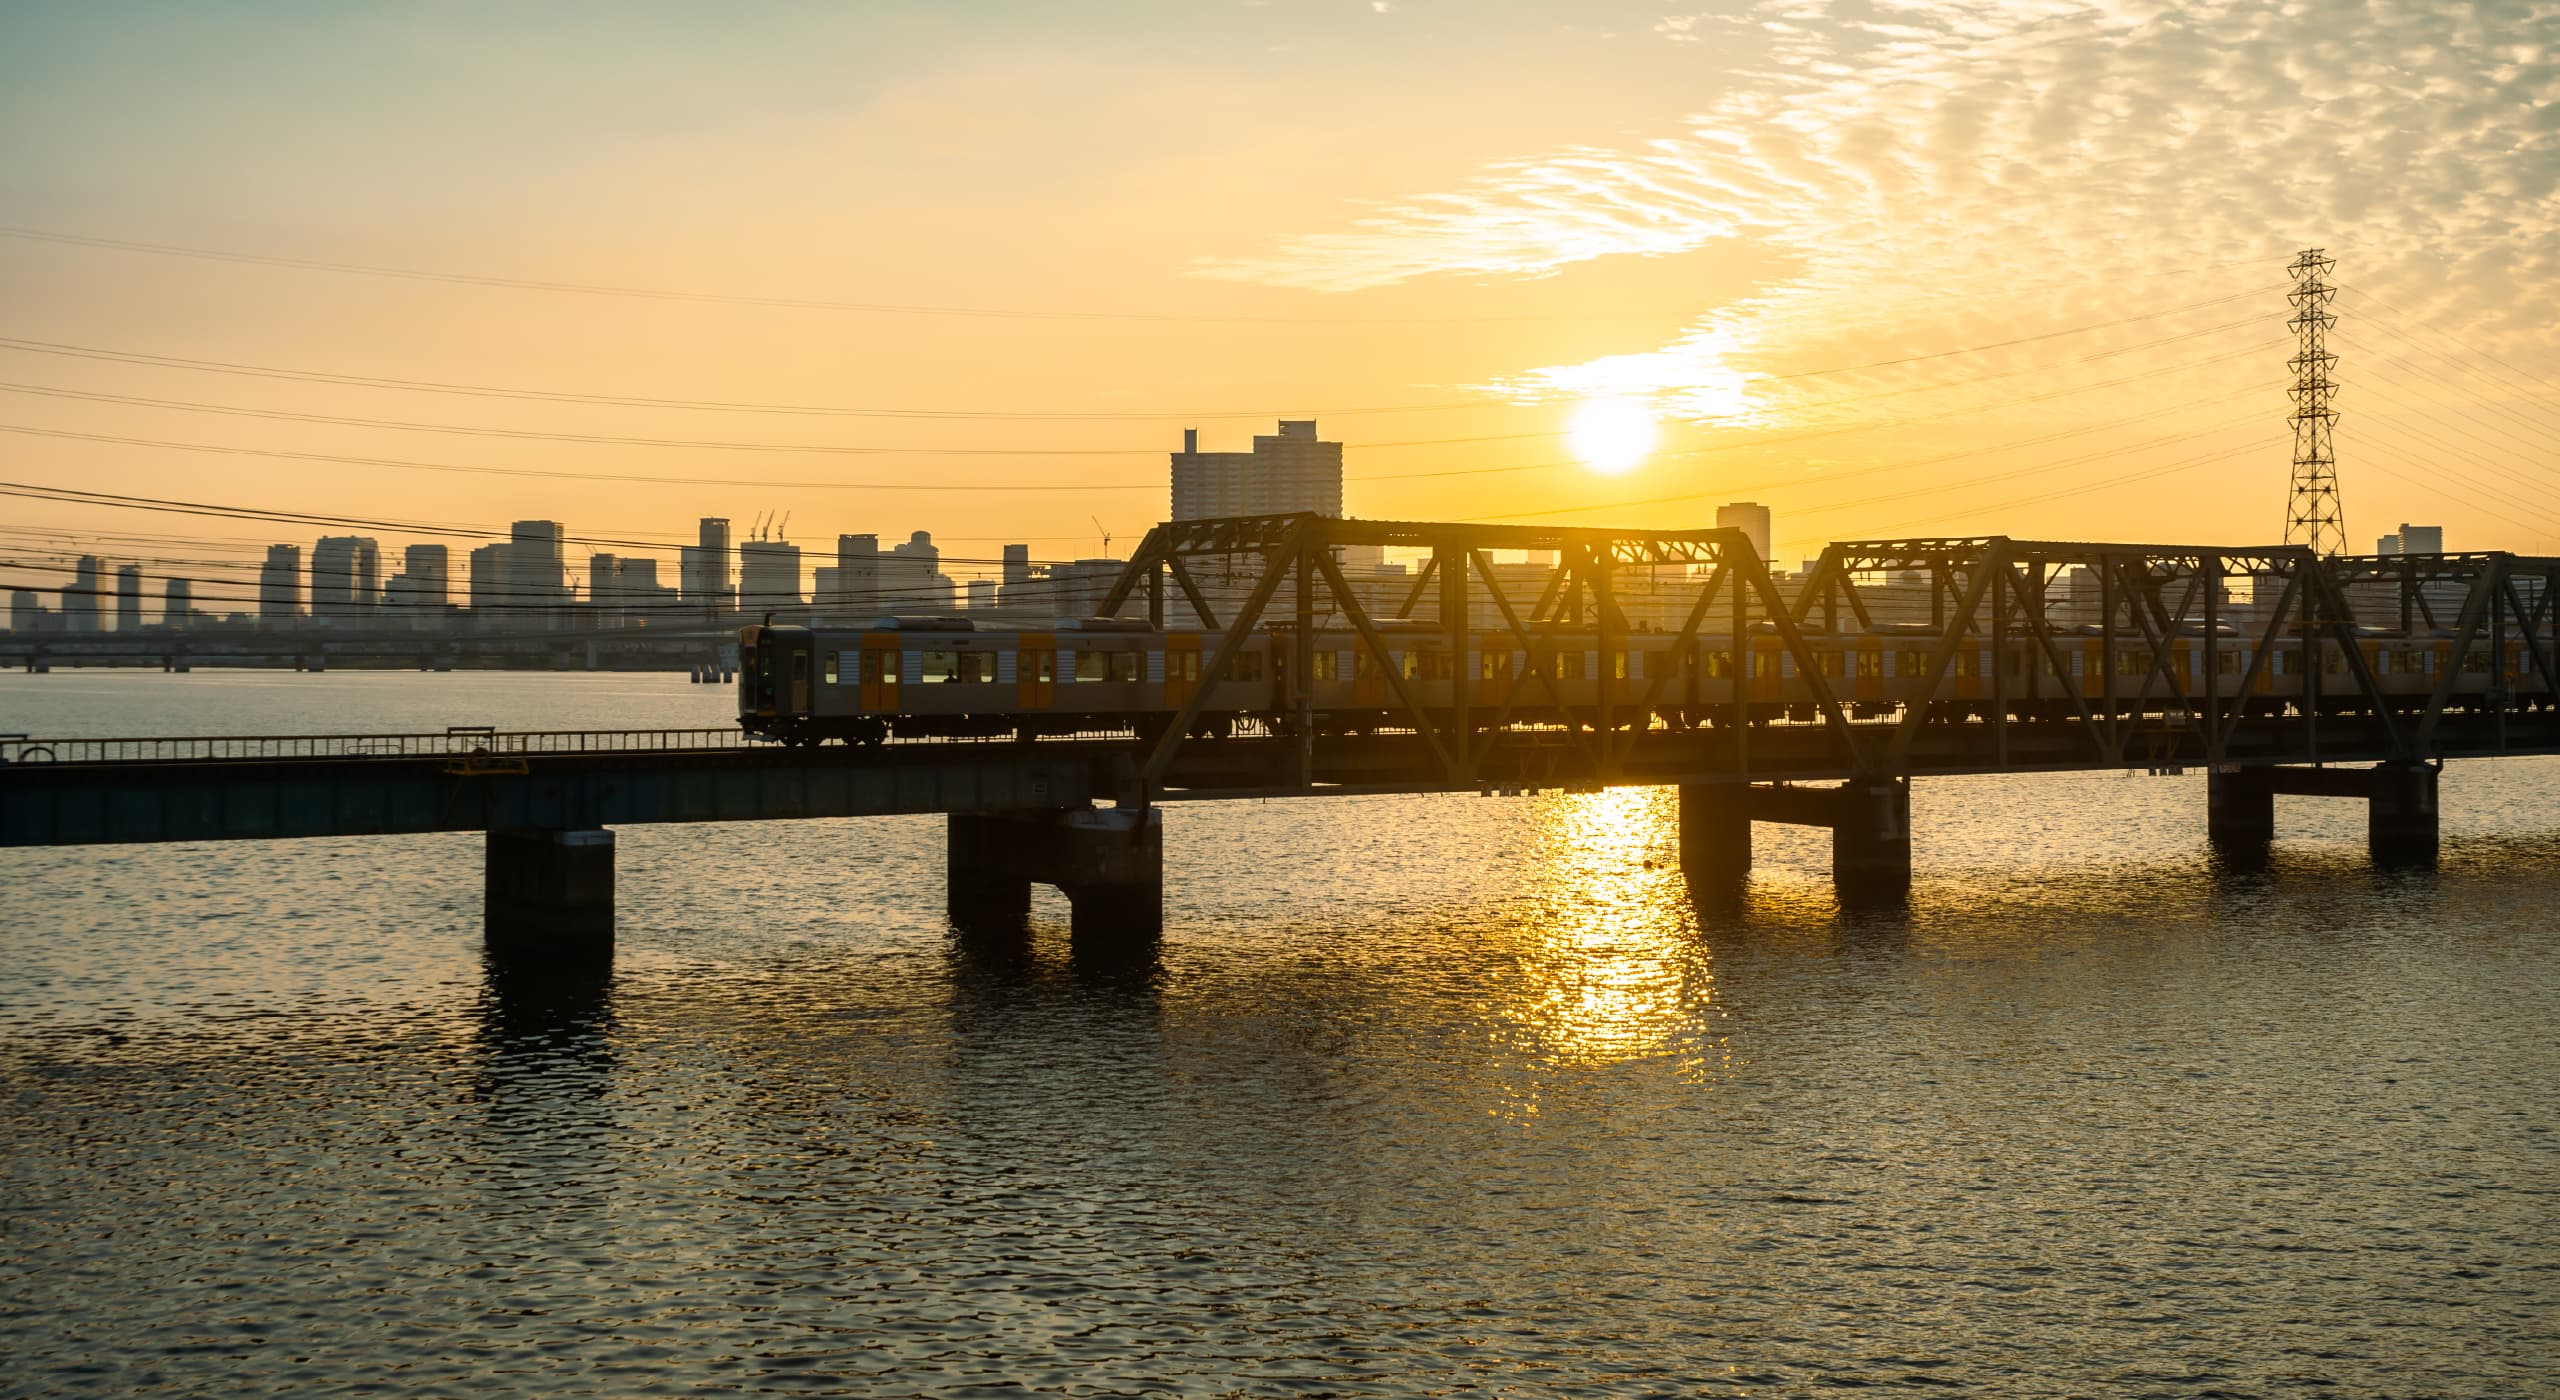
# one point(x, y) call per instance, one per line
point(1752, 519)
point(1017, 563)
point(1288, 471)
point(424, 582)
point(2412, 539)
point(703, 569)
point(80, 600)
point(537, 567)
point(129, 598)
point(346, 576)
point(768, 576)
point(488, 565)
point(857, 590)
point(280, 586)
point(982, 594)
point(177, 603)
point(27, 612)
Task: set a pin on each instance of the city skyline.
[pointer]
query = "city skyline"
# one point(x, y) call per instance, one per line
point(1915, 286)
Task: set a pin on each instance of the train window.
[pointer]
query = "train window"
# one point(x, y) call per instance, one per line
point(940, 667)
point(1124, 665)
point(1363, 666)
point(977, 667)
point(2229, 663)
point(1870, 664)
point(1619, 661)
point(799, 666)
point(1182, 665)
point(1093, 666)
point(1829, 662)
point(1328, 666)
point(2475, 661)
point(881, 666)
point(1568, 665)
point(2333, 663)
point(1038, 667)
point(1493, 665)
point(834, 668)
point(1719, 664)
point(1245, 666)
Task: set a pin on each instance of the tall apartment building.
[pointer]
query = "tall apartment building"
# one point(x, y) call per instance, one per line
point(346, 578)
point(280, 586)
point(768, 576)
point(703, 569)
point(906, 579)
point(1291, 470)
point(1752, 519)
point(129, 597)
point(177, 603)
point(26, 611)
point(2412, 539)
point(537, 564)
point(488, 565)
point(80, 600)
point(424, 581)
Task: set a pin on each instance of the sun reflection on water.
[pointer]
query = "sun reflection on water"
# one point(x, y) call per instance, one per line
point(1611, 968)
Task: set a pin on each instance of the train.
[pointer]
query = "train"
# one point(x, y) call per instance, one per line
point(906, 677)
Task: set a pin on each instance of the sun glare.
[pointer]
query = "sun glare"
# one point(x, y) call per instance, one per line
point(1612, 436)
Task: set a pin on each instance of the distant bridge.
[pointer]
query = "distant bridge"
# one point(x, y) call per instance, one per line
point(2170, 675)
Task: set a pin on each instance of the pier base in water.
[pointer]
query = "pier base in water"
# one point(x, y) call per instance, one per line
point(1109, 862)
point(1870, 821)
point(2399, 798)
point(549, 894)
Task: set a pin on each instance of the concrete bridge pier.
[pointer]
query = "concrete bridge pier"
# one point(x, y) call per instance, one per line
point(1870, 821)
point(549, 894)
point(2400, 815)
point(2399, 798)
point(2240, 812)
point(1109, 862)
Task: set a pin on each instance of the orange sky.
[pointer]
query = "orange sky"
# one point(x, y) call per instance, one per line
point(1438, 228)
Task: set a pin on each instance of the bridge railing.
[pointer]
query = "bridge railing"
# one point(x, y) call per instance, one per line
point(452, 743)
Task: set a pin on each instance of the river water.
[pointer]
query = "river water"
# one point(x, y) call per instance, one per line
point(1419, 1095)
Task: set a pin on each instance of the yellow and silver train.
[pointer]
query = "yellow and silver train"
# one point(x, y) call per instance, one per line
point(945, 676)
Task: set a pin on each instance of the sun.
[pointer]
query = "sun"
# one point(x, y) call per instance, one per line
point(1612, 436)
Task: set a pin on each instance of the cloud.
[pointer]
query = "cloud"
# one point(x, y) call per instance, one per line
point(1922, 159)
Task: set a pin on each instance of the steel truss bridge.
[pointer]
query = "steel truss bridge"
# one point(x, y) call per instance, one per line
point(2160, 669)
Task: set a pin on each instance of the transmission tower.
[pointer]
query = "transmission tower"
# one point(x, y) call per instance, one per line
point(2313, 516)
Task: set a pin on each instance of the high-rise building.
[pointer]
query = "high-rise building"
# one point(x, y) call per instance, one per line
point(911, 578)
point(26, 611)
point(1017, 564)
point(488, 564)
point(982, 595)
point(857, 575)
point(768, 576)
point(346, 578)
point(129, 597)
point(177, 603)
point(1752, 519)
point(80, 600)
point(280, 586)
point(424, 581)
point(703, 569)
point(2412, 539)
point(1288, 471)
point(537, 570)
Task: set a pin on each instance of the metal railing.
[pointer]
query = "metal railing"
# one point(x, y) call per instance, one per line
point(458, 742)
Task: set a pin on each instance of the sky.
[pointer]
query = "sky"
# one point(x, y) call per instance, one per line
point(1926, 268)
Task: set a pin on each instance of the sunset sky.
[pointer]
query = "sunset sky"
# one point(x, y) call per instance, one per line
point(1889, 268)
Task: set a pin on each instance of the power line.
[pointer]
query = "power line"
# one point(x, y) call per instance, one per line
point(877, 308)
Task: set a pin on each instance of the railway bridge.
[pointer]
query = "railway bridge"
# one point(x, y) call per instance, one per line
point(2273, 670)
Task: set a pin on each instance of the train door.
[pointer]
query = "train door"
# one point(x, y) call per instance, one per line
point(1770, 661)
point(1493, 671)
point(1181, 668)
point(1368, 678)
point(1868, 683)
point(1035, 672)
point(880, 667)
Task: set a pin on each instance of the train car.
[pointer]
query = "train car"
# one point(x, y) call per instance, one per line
point(946, 676)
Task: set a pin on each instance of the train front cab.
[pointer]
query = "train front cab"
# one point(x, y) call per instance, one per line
point(775, 666)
